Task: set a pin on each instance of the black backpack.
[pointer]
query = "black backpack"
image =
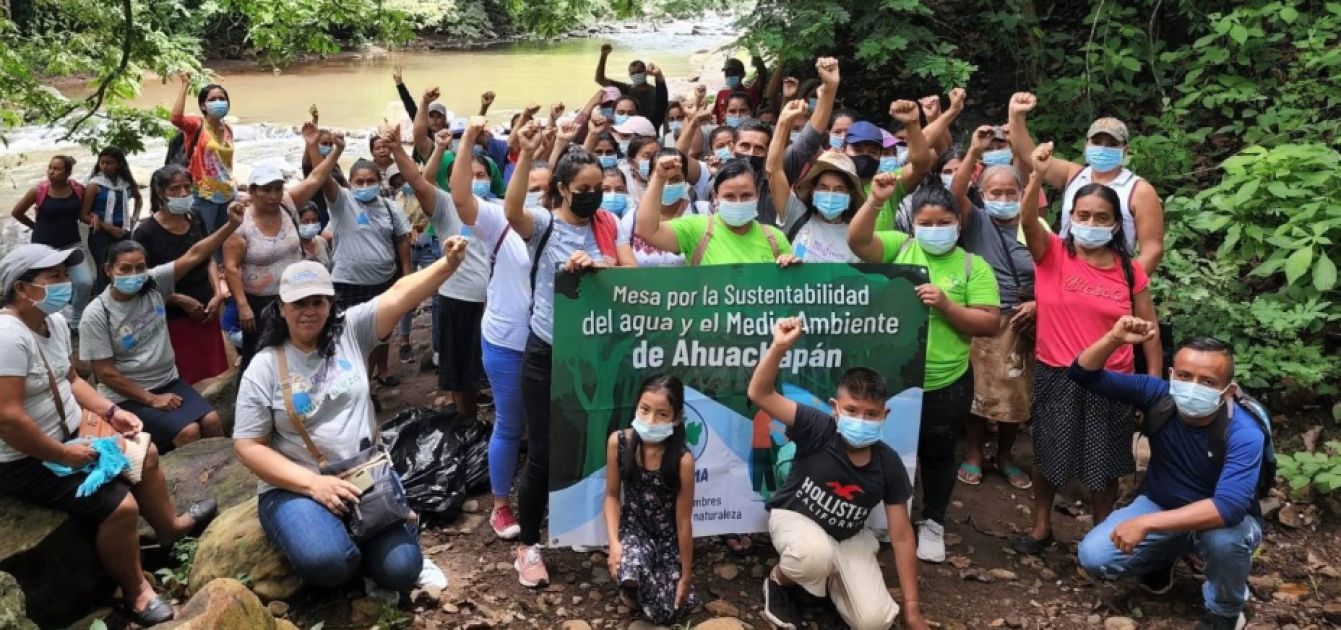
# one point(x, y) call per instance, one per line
point(1165, 410)
point(178, 152)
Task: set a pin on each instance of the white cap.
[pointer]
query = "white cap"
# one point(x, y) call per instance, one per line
point(304, 279)
point(264, 174)
point(637, 126)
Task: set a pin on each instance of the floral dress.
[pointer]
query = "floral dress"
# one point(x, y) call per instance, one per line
point(650, 564)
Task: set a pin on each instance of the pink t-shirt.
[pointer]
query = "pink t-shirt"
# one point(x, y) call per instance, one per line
point(1078, 303)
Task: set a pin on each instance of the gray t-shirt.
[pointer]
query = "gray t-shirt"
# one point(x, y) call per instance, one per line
point(798, 154)
point(134, 333)
point(22, 357)
point(1001, 248)
point(563, 241)
point(332, 395)
point(365, 253)
point(817, 240)
point(470, 281)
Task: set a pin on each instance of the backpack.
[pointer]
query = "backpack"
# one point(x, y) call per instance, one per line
point(179, 152)
point(1165, 410)
point(44, 188)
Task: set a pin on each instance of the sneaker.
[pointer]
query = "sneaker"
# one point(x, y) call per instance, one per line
point(1211, 621)
point(504, 524)
point(779, 607)
point(431, 576)
point(406, 353)
point(1159, 581)
point(530, 567)
point(931, 541)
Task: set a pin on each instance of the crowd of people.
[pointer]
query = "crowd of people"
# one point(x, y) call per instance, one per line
point(315, 279)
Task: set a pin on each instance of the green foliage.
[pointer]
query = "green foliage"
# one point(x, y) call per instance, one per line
point(1321, 471)
point(174, 579)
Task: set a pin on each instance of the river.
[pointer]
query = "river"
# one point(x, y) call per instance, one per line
point(356, 93)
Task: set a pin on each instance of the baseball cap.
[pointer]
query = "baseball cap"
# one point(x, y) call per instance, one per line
point(25, 258)
point(887, 139)
point(305, 279)
point(610, 94)
point(439, 108)
point(638, 126)
point(1110, 126)
point(863, 131)
point(457, 127)
point(264, 174)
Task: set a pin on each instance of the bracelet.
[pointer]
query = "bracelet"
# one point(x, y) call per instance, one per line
point(111, 411)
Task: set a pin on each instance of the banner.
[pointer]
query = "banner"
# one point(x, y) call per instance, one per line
point(709, 326)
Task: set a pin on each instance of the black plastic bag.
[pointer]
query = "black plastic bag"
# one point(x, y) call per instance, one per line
point(441, 457)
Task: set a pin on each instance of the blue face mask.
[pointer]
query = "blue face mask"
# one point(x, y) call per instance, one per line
point(836, 141)
point(479, 187)
point(367, 194)
point(1195, 400)
point(675, 126)
point(1002, 209)
point(621, 119)
point(738, 213)
point(652, 433)
point(57, 297)
point(608, 112)
point(615, 202)
point(937, 239)
point(532, 199)
point(999, 157)
point(624, 146)
point(1103, 159)
point(723, 154)
point(130, 285)
point(734, 121)
point(407, 190)
point(639, 78)
point(733, 82)
point(324, 150)
point(812, 103)
point(607, 161)
point(859, 433)
point(673, 193)
point(947, 180)
point(309, 231)
point(1091, 236)
point(180, 205)
point(831, 204)
point(216, 109)
point(889, 163)
point(644, 167)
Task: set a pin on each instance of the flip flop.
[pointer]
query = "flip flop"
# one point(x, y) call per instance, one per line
point(969, 474)
point(1017, 478)
point(1029, 545)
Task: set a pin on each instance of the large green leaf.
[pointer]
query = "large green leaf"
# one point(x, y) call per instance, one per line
point(1297, 264)
point(1324, 273)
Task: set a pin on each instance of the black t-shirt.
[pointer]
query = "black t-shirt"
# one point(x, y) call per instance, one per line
point(827, 487)
point(164, 247)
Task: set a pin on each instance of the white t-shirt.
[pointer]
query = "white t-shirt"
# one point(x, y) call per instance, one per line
point(469, 281)
point(134, 333)
point(332, 394)
point(22, 356)
point(364, 235)
point(507, 311)
point(817, 240)
point(644, 253)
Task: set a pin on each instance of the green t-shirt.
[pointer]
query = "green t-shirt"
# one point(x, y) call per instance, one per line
point(885, 220)
point(727, 247)
point(947, 348)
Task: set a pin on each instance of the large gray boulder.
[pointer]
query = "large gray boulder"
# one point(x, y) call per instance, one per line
point(207, 469)
point(53, 557)
point(13, 608)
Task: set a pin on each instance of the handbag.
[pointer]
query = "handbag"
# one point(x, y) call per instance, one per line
point(382, 504)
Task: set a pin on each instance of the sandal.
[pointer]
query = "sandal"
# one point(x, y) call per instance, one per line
point(155, 612)
point(1017, 478)
point(970, 474)
point(1029, 545)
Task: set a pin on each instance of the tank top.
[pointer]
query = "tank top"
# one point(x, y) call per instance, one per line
point(267, 256)
point(57, 222)
point(1124, 185)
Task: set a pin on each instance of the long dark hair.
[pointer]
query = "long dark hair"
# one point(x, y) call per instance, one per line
point(122, 167)
point(630, 462)
point(159, 182)
point(572, 163)
point(125, 247)
point(275, 331)
point(1119, 241)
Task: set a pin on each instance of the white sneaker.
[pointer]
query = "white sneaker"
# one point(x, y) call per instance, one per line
point(431, 576)
point(931, 541)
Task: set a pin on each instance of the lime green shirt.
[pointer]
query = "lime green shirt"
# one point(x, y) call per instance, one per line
point(947, 348)
point(727, 247)
point(885, 220)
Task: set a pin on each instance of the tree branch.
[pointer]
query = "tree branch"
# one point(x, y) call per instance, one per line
point(95, 100)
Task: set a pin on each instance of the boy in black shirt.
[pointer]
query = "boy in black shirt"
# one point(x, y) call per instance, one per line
point(817, 520)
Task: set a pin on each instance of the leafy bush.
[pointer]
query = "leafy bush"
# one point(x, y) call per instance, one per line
point(1322, 471)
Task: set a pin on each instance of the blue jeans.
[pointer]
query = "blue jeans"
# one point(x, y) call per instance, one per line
point(318, 546)
point(1228, 553)
point(503, 367)
point(423, 253)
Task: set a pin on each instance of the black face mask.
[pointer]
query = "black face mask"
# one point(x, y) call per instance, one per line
point(867, 166)
point(585, 204)
point(756, 162)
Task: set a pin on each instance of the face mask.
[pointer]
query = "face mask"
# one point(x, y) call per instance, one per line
point(652, 433)
point(479, 187)
point(621, 119)
point(533, 199)
point(324, 150)
point(723, 154)
point(1195, 400)
point(859, 433)
point(1002, 209)
point(812, 103)
point(608, 112)
point(309, 231)
point(947, 180)
point(867, 166)
point(901, 152)
point(644, 167)
point(793, 136)
point(180, 205)
point(1103, 159)
point(1091, 236)
point(831, 204)
point(367, 194)
point(585, 204)
point(615, 202)
point(672, 193)
point(888, 164)
point(756, 162)
point(999, 157)
point(217, 109)
point(624, 146)
point(738, 213)
point(130, 285)
point(639, 78)
point(937, 239)
point(607, 161)
point(407, 190)
point(675, 127)
point(734, 121)
point(733, 82)
point(456, 146)
point(57, 297)
point(836, 141)
point(477, 150)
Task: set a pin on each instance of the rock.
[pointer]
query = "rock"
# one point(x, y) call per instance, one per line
point(644, 625)
point(575, 624)
point(470, 506)
point(222, 603)
point(727, 571)
point(278, 608)
point(1002, 574)
point(222, 395)
point(365, 611)
point(13, 606)
point(207, 469)
point(1332, 612)
point(234, 545)
point(721, 623)
point(722, 608)
point(35, 539)
point(600, 575)
point(1119, 623)
point(1094, 620)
